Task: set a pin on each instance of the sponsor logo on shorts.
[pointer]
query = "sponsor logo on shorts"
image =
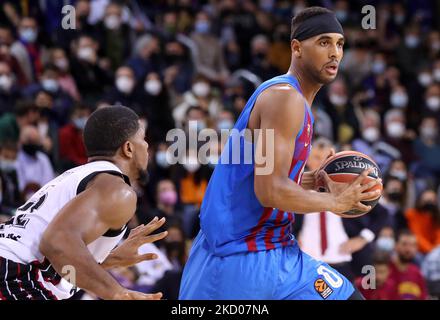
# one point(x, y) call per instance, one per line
point(323, 288)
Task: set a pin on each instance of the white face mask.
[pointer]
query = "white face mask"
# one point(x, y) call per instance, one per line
point(433, 103)
point(425, 79)
point(395, 130)
point(50, 85)
point(28, 35)
point(338, 100)
point(196, 125)
point(5, 82)
point(161, 159)
point(124, 84)
point(385, 244)
point(191, 164)
point(153, 87)
point(399, 100)
point(428, 132)
point(371, 134)
point(225, 124)
point(400, 174)
point(435, 46)
point(112, 22)
point(411, 41)
point(201, 89)
point(378, 67)
point(8, 165)
point(436, 74)
point(86, 53)
point(62, 64)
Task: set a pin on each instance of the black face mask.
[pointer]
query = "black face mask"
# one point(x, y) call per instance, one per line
point(260, 56)
point(430, 207)
point(395, 196)
point(174, 58)
point(31, 148)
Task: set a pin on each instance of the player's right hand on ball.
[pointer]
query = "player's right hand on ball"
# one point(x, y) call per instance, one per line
point(135, 295)
point(348, 196)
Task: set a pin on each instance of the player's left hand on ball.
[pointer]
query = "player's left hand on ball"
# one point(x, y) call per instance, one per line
point(309, 180)
point(127, 254)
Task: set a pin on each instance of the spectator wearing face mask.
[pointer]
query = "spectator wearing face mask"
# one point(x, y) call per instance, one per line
point(9, 92)
point(10, 197)
point(372, 143)
point(179, 68)
point(385, 241)
point(61, 103)
point(25, 113)
point(7, 56)
point(225, 121)
point(341, 111)
point(427, 148)
point(398, 136)
point(399, 97)
point(193, 180)
point(71, 143)
point(385, 288)
point(399, 169)
point(409, 53)
point(27, 50)
point(124, 91)
point(33, 166)
point(259, 62)
point(208, 55)
point(89, 76)
point(166, 205)
point(424, 221)
point(114, 35)
point(65, 80)
point(404, 272)
point(156, 107)
point(432, 100)
point(393, 201)
point(201, 96)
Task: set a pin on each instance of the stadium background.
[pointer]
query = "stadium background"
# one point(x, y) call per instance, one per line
point(175, 61)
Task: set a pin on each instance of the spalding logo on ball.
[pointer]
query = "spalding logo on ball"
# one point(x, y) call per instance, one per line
point(345, 167)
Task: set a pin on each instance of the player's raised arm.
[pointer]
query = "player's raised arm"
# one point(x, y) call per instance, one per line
point(107, 203)
point(282, 109)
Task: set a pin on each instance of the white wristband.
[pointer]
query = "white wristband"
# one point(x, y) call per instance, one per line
point(367, 234)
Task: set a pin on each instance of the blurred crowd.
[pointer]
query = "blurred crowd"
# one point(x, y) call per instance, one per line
point(174, 61)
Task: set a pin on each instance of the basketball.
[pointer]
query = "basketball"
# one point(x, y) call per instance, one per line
point(345, 167)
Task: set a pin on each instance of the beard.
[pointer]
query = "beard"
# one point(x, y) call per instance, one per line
point(405, 258)
point(143, 177)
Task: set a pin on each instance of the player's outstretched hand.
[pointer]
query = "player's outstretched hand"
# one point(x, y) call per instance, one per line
point(348, 196)
point(126, 254)
point(135, 295)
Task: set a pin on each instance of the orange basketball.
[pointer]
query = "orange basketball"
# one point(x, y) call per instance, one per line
point(345, 167)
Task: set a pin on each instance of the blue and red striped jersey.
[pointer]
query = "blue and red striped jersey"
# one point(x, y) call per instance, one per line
point(231, 216)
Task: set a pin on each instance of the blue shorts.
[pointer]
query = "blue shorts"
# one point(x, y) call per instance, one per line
point(284, 273)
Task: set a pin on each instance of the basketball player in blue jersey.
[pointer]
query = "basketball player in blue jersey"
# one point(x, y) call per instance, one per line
point(245, 248)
